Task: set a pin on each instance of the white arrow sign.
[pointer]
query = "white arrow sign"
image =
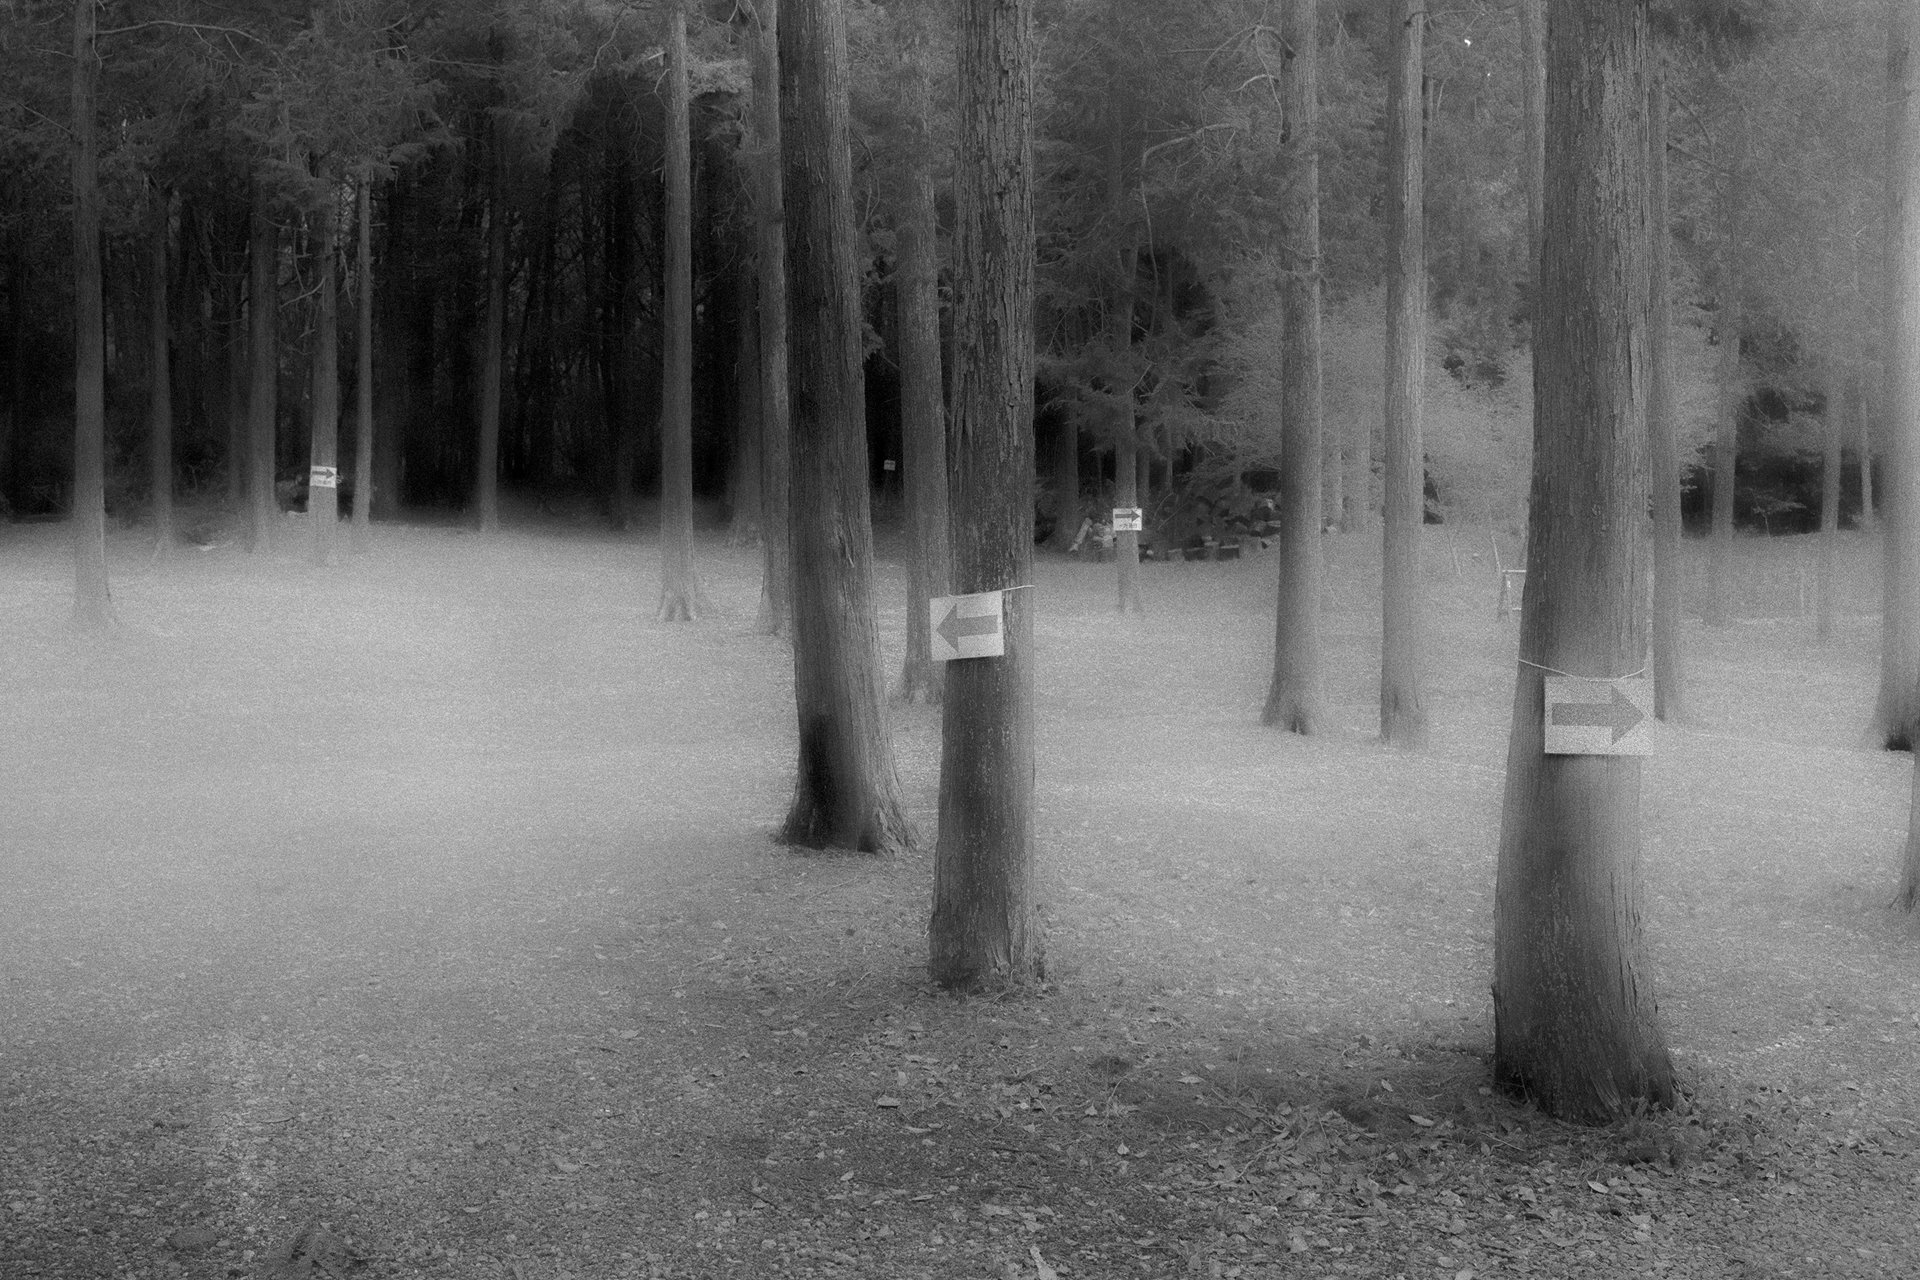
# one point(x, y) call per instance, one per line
point(967, 626)
point(1598, 717)
point(1126, 520)
point(324, 478)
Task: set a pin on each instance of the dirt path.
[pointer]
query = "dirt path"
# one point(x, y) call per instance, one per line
point(417, 918)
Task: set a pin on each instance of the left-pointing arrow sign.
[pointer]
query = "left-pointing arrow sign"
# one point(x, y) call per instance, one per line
point(967, 626)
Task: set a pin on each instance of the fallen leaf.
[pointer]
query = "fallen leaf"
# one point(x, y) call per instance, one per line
point(1600, 1187)
point(1422, 1121)
point(564, 1166)
point(885, 1100)
point(1189, 1078)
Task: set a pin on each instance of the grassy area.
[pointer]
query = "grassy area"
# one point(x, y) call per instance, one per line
point(418, 916)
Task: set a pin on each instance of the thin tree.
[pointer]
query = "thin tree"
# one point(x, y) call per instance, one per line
point(1296, 699)
point(1669, 683)
point(160, 373)
point(363, 368)
point(681, 596)
point(493, 358)
point(847, 793)
point(1533, 123)
point(1831, 430)
point(985, 931)
point(263, 366)
point(923, 445)
point(1126, 449)
point(1728, 326)
point(1898, 706)
point(770, 269)
point(92, 601)
point(1403, 707)
point(323, 494)
point(1574, 1019)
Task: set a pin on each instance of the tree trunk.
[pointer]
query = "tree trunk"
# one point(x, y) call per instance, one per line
point(770, 256)
point(1126, 444)
point(323, 494)
point(92, 601)
point(1066, 483)
point(923, 436)
point(1533, 120)
point(746, 467)
point(363, 371)
point(1898, 705)
point(1726, 449)
point(1403, 707)
point(487, 486)
point(1869, 513)
point(263, 369)
point(985, 930)
point(847, 794)
point(160, 377)
point(1296, 699)
point(1831, 435)
point(681, 596)
point(1575, 1025)
point(1669, 691)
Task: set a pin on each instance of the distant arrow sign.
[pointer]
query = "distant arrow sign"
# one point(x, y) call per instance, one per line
point(1597, 717)
point(968, 626)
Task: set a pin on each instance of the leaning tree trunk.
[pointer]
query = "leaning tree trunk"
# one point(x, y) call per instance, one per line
point(985, 929)
point(263, 368)
point(770, 261)
point(1898, 705)
point(923, 443)
point(160, 377)
point(681, 597)
point(363, 371)
point(1403, 705)
point(1296, 699)
point(1575, 1025)
point(323, 493)
point(1669, 692)
point(92, 601)
point(847, 793)
point(487, 484)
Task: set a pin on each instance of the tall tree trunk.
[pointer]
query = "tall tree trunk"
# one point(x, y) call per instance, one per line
point(770, 260)
point(323, 493)
point(1898, 706)
point(1126, 443)
point(1669, 683)
point(1728, 326)
point(923, 436)
point(1864, 443)
point(1403, 706)
point(985, 930)
point(1575, 1025)
point(746, 467)
point(1533, 125)
point(681, 596)
point(1065, 455)
point(263, 369)
point(363, 369)
point(1832, 431)
point(1296, 699)
point(847, 793)
point(160, 376)
point(92, 602)
point(493, 359)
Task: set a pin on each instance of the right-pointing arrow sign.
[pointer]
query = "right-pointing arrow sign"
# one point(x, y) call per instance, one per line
point(1597, 717)
point(967, 626)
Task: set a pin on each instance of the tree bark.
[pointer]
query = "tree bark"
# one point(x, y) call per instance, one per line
point(923, 437)
point(160, 375)
point(1403, 707)
point(847, 794)
point(263, 369)
point(493, 359)
point(363, 371)
point(323, 499)
point(1575, 1026)
point(1533, 120)
point(681, 596)
point(770, 257)
point(1898, 704)
point(92, 600)
point(1669, 683)
point(985, 930)
point(1296, 699)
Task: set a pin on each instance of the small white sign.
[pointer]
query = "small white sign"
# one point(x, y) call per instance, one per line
point(969, 626)
point(1126, 520)
point(1598, 717)
point(324, 478)
point(889, 465)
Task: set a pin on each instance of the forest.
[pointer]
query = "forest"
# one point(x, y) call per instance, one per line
point(908, 877)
